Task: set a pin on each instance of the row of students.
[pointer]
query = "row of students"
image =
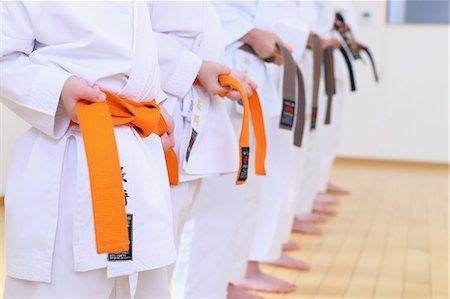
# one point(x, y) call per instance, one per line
point(158, 68)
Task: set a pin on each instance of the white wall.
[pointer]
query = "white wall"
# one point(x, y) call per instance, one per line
point(405, 116)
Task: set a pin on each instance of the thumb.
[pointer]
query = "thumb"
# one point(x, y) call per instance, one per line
point(253, 84)
point(223, 69)
point(91, 94)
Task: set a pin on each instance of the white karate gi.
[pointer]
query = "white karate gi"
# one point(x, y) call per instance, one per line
point(188, 33)
point(295, 33)
point(49, 223)
point(320, 19)
point(268, 192)
point(329, 142)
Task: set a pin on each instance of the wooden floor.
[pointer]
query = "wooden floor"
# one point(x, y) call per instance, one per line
point(389, 239)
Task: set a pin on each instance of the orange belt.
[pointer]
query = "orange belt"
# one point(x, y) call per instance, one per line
point(252, 106)
point(96, 122)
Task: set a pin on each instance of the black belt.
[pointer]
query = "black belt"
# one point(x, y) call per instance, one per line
point(350, 69)
point(372, 62)
point(330, 86)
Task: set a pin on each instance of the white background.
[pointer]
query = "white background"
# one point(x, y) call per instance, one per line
point(405, 116)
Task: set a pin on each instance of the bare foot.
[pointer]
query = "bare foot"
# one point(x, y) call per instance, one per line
point(290, 246)
point(310, 218)
point(323, 209)
point(326, 199)
point(289, 262)
point(306, 228)
point(336, 189)
point(257, 280)
point(235, 292)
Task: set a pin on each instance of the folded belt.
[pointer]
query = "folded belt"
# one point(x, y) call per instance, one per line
point(330, 87)
point(96, 121)
point(294, 98)
point(252, 107)
point(372, 62)
point(349, 68)
point(317, 50)
point(356, 56)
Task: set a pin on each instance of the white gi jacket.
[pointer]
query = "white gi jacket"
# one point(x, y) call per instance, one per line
point(291, 28)
point(200, 118)
point(309, 15)
point(238, 18)
point(109, 44)
point(294, 33)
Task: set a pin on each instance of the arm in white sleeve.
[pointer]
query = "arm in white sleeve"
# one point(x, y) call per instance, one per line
point(31, 90)
point(294, 36)
point(236, 19)
point(179, 66)
point(324, 25)
point(290, 29)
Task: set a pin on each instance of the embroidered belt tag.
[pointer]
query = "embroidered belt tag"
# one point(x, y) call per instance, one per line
point(191, 144)
point(287, 114)
point(125, 255)
point(313, 118)
point(243, 173)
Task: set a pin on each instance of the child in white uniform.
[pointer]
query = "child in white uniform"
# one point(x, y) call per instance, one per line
point(263, 202)
point(206, 144)
point(54, 55)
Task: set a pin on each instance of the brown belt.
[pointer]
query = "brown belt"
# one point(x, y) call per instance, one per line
point(330, 88)
point(294, 99)
point(317, 51)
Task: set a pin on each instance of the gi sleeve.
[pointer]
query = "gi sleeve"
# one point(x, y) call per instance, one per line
point(291, 31)
point(236, 19)
point(179, 66)
point(30, 90)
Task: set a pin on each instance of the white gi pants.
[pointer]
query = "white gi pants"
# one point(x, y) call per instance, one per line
point(267, 241)
point(310, 177)
point(206, 246)
point(330, 138)
point(296, 173)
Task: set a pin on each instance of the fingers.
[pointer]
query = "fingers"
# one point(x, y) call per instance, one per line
point(335, 43)
point(246, 83)
point(90, 94)
point(168, 119)
point(217, 89)
point(325, 43)
point(248, 90)
point(253, 84)
point(223, 70)
point(278, 59)
point(234, 95)
point(166, 142)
